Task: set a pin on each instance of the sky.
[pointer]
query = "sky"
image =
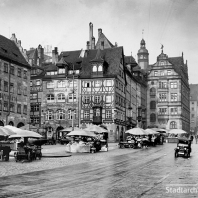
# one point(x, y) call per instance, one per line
point(65, 24)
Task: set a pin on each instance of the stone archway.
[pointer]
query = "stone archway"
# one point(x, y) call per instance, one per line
point(1, 123)
point(20, 125)
point(11, 123)
point(58, 135)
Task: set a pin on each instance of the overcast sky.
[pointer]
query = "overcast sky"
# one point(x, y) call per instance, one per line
point(65, 24)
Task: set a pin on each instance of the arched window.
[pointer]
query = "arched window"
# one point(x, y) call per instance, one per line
point(100, 68)
point(70, 114)
point(152, 105)
point(50, 98)
point(61, 97)
point(152, 91)
point(61, 83)
point(60, 114)
point(94, 68)
point(173, 125)
point(49, 115)
point(152, 117)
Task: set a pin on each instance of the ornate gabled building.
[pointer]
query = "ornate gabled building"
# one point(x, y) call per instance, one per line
point(14, 83)
point(168, 94)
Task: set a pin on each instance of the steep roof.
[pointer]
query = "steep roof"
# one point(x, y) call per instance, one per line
point(10, 51)
point(130, 60)
point(30, 53)
point(107, 43)
point(111, 57)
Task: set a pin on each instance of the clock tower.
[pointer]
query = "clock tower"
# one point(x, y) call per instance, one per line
point(143, 55)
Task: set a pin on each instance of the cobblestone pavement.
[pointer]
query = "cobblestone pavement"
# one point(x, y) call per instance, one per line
point(152, 172)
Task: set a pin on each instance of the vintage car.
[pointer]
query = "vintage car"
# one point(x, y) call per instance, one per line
point(183, 147)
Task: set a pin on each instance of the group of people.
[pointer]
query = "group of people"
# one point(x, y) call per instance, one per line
point(145, 140)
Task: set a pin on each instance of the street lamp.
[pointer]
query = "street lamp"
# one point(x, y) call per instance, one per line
point(73, 101)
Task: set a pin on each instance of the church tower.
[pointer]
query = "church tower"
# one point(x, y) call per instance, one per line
point(143, 55)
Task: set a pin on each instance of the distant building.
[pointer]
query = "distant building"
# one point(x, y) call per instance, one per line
point(168, 94)
point(14, 83)
point(194, 109)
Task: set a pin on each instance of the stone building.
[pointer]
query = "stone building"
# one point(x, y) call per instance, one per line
point(168, 93)
point(14, 83)
point(194, 108)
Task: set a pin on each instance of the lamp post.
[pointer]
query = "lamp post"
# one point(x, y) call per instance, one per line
point(73, 102)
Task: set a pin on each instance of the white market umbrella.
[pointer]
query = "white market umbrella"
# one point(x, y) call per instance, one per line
point(5, 131)
point(96, 128)
point(136, 131)
point(81, 132)
point(13, 128)
point(159, 130)
point(69, 129)
point(26, 133)
point(151, 132)
point(177, 131)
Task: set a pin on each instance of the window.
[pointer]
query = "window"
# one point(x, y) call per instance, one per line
point(108, 114)
point(71, 83)
point(38, 82)
point(97, 112)
point(152, 105)
point(193, 115)
point(152, 117)
point(162, 85)
point(173, 85)
point(50, 98)
point(12, 70)
point(61, 97)
point(49, 115)
point(70, 114)
point(18, 108)
point(192, 103)
point(108, 99)
point(86, 114)
point(162, 97)
point(86, 99)
point(19, 72)
point(94, 68)
point(6, 67)
point(173, 96)
point(77, 71)
point(173, 125)
point(109, 83)
point(100, 68)
point(192, 108)
point(25, 74)
point(61, 70)
point(162, 111)
point(33, 96)
point(11, 87)
point(161, 73)
point(11, 107)
point(155, 73)
point(25, 109)
point(96, 99)
point(152, 92)
point(60, 115)
point(34, 108)
point(5, 106)
point(25, 91)
point(98, 83)
point(169, 72)
point(5, 86)
point(19, 89)
point(50, 84)
point(70, 98)
point(30, 83)
point(174, 111)
point(61, 84)
point(87, 84)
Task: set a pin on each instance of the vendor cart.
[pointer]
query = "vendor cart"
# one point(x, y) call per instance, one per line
point(4, 152)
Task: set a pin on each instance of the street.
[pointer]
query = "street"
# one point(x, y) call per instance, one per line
point(151, 172)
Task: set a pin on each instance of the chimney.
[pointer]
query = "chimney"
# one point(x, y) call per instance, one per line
point(87, 45)
point(55, 55)
point(19, 43)
point(90, 33)
point(116, 44)
point(93, 43)
point(13, 38)
point(99, 32)
point(40, 54)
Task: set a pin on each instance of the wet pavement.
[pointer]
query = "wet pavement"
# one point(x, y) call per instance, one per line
point(151, 172)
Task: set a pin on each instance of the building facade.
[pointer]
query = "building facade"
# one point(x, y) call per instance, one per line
point(194, 109)
point(14, 83)
point(168, 94)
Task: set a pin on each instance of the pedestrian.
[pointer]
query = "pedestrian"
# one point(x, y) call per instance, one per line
point(191, 138)
point(196, 138)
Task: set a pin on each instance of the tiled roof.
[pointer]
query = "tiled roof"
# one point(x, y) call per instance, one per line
point(111, 57)
point(30, 53)
point(98, 57)
point(10, 51)
point(107, 44)
point(130, 60)
point(50, 67)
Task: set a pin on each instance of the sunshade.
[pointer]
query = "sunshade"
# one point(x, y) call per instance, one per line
point(151, 132)
point(69, 129)
point(5, 131)
point(81, 132)
point(159, 130)
point(96, 128)
point(26, 133)
point(177, 131)
point(14, 129)
point(136, 131)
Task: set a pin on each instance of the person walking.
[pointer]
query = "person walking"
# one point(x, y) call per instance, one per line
point(196, 138)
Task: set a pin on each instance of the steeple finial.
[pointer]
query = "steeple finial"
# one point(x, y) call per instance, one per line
point(162, 48)
point(143, 33)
